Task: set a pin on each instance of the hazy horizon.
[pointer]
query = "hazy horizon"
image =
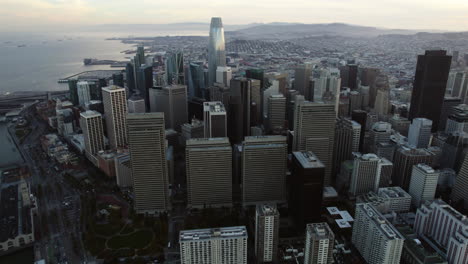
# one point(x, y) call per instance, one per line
point(59, 15)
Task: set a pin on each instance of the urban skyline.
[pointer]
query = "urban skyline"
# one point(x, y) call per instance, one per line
point(243, 150)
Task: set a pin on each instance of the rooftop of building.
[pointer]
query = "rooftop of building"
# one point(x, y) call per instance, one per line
point(90, 113)
point(319, 230)
point(207, 141)
point(214, 107)
point(382, 127)
point(385, 227)
point(425, 168)
point(417, 249)
point(308, 159)
point(447, 208)
point(213, 233)
point(249, 139)
point(145, 115)
point(267, 209)
point(393, 192)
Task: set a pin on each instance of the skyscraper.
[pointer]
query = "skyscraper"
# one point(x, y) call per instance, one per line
point(115, 108)
point(419, 134)
point(347, 136)
point(83, 93)
point(445, 226)
point(227, 245)
point(266, 233)
point(360, 116)
point(459, 192)
point(375, 238)
point(118, 79)
point(263, 169)
point(91, 124)
point(380, 133)
point(136, 104)
point(276, 113)
point(369, 171)
point(196, 80)
point(175, 68)
point(239, 110)
point(209, 172)
point(146, 142)
point(306, 188)
point(73, 89)
point(429, 86)
point(172, 101)
point(144, 81)
point(405, 159)
point(302, 76)
point(130, 78)
point(215, 119)
point(224, 75)
point(314, 130)
point(319, 244)
point(216, 48)
point(423, 183)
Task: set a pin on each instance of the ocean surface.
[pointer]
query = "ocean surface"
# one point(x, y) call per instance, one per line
point(48, 57)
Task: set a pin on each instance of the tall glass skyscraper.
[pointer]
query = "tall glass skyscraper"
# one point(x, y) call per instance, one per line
point(216, 48)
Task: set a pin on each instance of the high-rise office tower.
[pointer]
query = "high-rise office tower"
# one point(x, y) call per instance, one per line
point(93, 132)
point(447, 106)
point(326, 88)
point(114, 99)
point(256, 74)
point(172, 101)
point(367, 77)
point(146, 142)
point(460, 187)
point(314, 127)
point(209, 172)
point(382, 103)
point(302, 76)
point(456, 84)
point(419, 135)
point(319, 244)
point(266, 233)
point(355, 101)
point(144, 81)
point(136, 104)
point(263, 169)
point(429, 86)
point(405, 159)
point(215, 119)
point(196, 80)
point(196, 129)
point(130, 78)
point(84, 96)
point(360, 116)
point(224, 75)
point(123, 170)
point(400, 124)
point(380, 133)
point(368, 172)
point(73, 89)
point(175, 68)
point(140, 55)
point(216, 48)
point(453, 151)
point(445, 226)
point(281, 78)
point(276, 113)
point(423, 183)
point(376, 238)
point(388, 199)
point(118, 79)
point(457, 121)
point(227, 245)
point(239, 110)
point(256, 102)
point(306, 188)
point(347, 136)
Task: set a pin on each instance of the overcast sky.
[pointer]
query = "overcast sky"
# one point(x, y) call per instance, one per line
point(404, 14)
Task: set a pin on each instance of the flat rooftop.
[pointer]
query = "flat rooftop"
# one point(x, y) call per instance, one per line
point(15, 214)
point(213, 233)
point(308, 159)
point(380, 222)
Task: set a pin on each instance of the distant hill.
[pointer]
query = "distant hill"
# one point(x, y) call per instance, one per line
point(289, 31)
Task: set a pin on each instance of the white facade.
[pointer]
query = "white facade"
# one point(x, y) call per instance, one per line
point(224, 75)
point(266, 233)
point(423, 183)
point(369, 173)
point(226, 245)
point(93, 132)
point(84, 95)
point(378, 241)
point(319, 244)
point(419, 135)
point(114, 99)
